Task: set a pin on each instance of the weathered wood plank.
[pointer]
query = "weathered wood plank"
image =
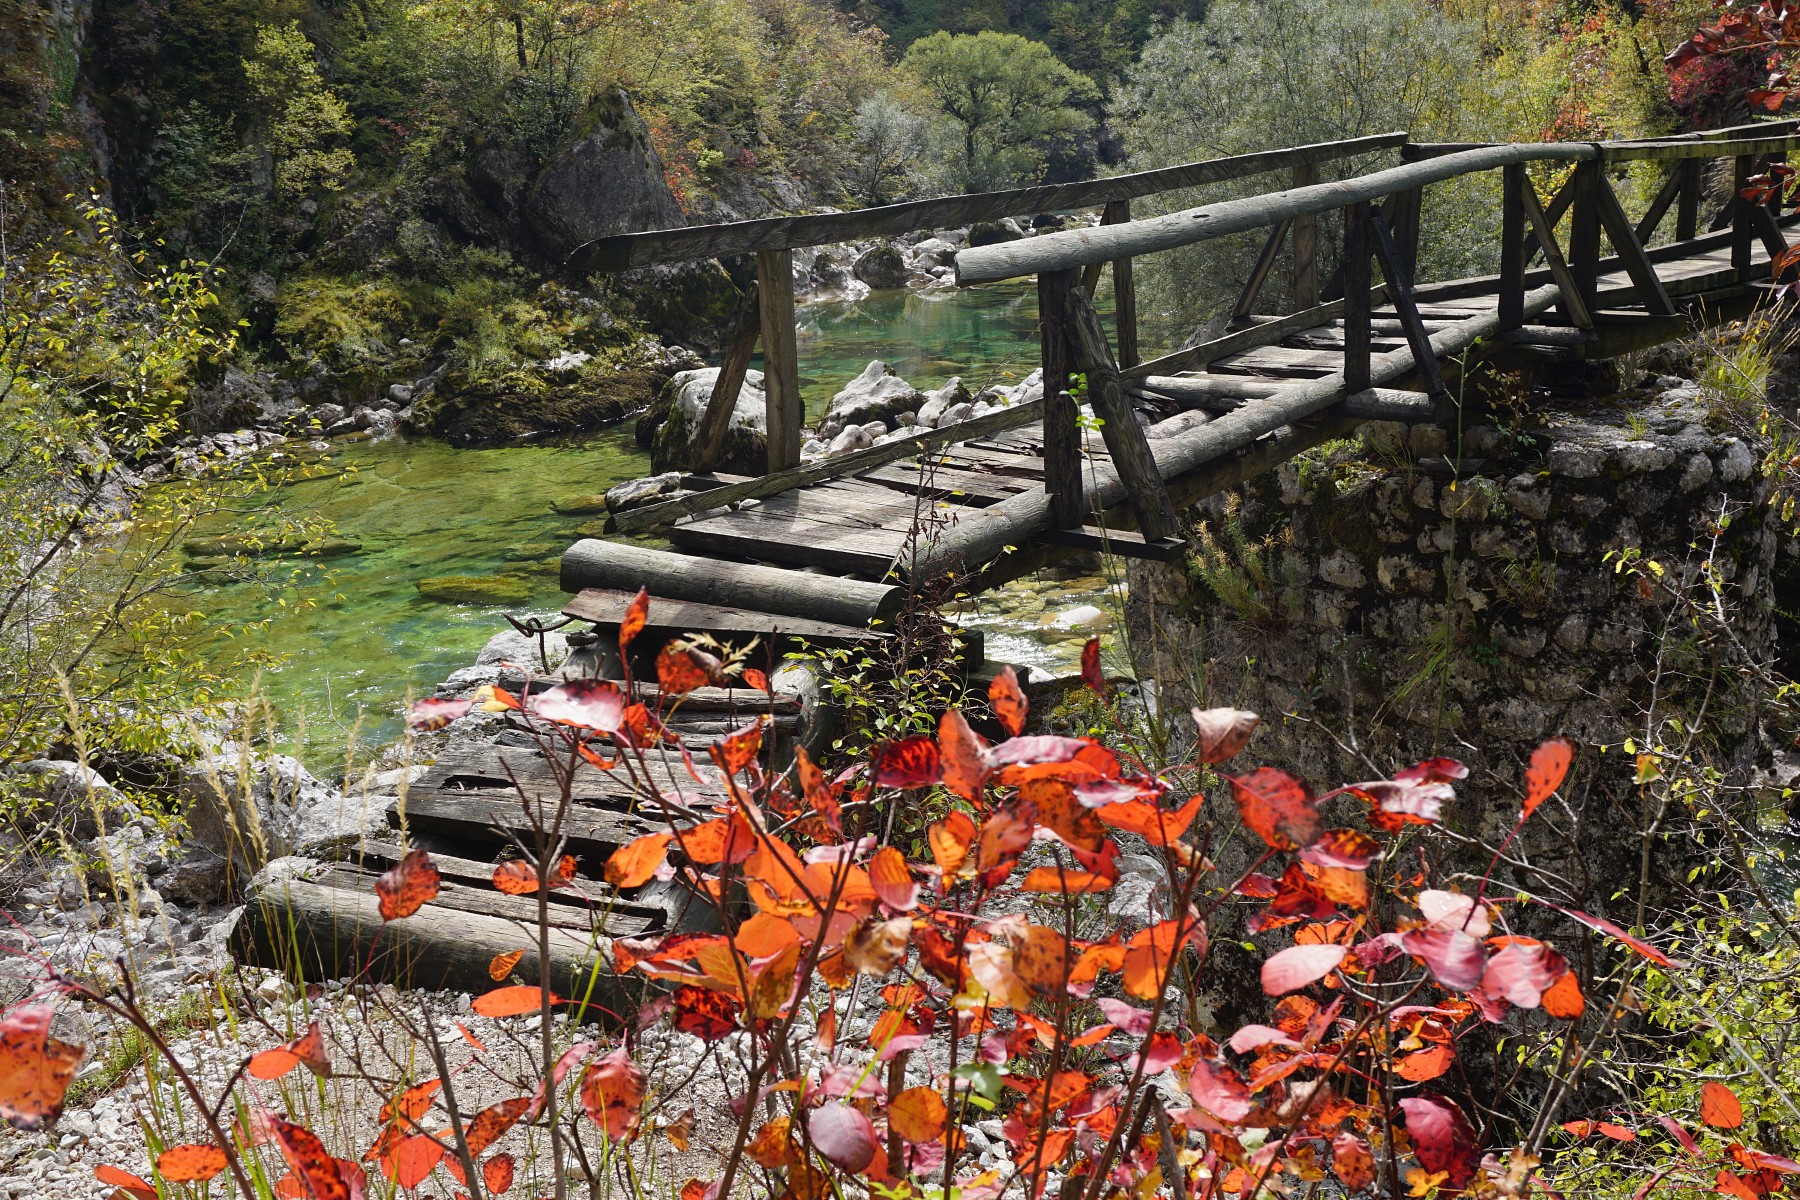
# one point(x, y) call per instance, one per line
point(1124, 436)
point(1630, 250)
point(1125, 314)
point(1061, 431)
point(1399, 282)
point(1265, 333)
point(593, 563)
point(672, 618)
point(739, 346)
point(626, 251)
point(1574, 305)
point(781, 359)
point(1305, 281)
point(1125, 543)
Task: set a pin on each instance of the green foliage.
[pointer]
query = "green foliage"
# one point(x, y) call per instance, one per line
point(302, 119)
point(1256, 576)
point(1009, 98)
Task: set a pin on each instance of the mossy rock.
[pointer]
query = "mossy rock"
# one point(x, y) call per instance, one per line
point(475, 589)
point(580, 506)
point(532, 551)
point(592, 529)
point(470, 408)
point(232, 545)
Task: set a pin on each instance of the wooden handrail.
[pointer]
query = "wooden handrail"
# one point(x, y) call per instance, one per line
point(630, 250)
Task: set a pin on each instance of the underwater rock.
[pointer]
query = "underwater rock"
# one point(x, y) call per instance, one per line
point(475, 589)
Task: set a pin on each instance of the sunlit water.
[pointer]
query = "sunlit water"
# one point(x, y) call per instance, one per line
point(422, 509)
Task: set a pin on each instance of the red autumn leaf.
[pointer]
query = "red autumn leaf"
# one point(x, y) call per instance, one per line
point(1060, 880)
point(595, 704)
point(1682, 1136)
point(1090, 666)
point(632, 624)
point(843, 1135)
point(404, 889)
point(1521, 971)
point(918, 1115)
point(706, 1013)
point(1441, 1137)
point(1454, 958)
point(1219, 1090)
point(516, 877)
point(308, 1048)
point(1425, 1064)
point(1148, 958)
point(1350, 849)
point(492, 1122)
point(1549, 766)
point(318, 1172)
point(192, 1163)
point(1758, 1160)
point(612, 1092)
point(497, 1172)
point(512, 1001)
point(1008, 701)
point(737, 750)
point(1296, 967)
point(427, 715)
point(892, 880)
point(125, 1181)
point(962, 755)
point(411, 1159)
point(1719, 1106)
point(677, 672)
point(35, 1068)
point(501, 965)
point(1352, 1162)
point(635, 863)
point(1158, 1053)
point(1277, 807)
point(1728, 1184)
point(908, 763)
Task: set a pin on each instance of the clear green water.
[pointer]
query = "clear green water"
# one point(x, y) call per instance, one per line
point(423, 509)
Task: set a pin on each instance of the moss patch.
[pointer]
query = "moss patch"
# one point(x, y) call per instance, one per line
point(471, 407)
point(475, 589)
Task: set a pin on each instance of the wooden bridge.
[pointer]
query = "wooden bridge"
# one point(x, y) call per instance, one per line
point(835, 544)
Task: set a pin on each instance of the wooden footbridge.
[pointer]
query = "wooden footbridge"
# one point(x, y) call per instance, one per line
point(825, 553)
point(835, 544)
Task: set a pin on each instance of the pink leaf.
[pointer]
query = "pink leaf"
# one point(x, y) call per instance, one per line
point(843, 1135)
point(589, 703)
point(1441, 1137)
point(1297, 966)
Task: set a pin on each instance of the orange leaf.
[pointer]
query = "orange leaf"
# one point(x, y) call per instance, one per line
point(962, 755)
point(493, 1121)
point(1719, 1106)
point(1008, 702)
point(193, 1163)
point(1277, 807)
point(756, 679)
point(1549, 766)
point(1148, 957)
point(35, 1068)
point(680, 670)
point(512, 1001)
point(497, 1173)
point(502, 966)
point(950, 839)
point(1161, 826)
point(404, 889)
point(918, 1114)
point(636, 613)
point(893, 881)
point(1057, 880)
point(320, 1176)
point(516, 877)
point(1428, 1063)
point(410, 1160)
point(125, 1181)
point(412, 1103)
point(308, 1048)
point(612, 1092)
point(1563, 999)
point(635, 863)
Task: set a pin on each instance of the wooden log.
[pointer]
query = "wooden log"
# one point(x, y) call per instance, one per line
point(1305, 285)
point(1215, 393)
point(323, 932)
point(781, 361)
point(1125, 315)
point(1687, 217)
point(1584, 231)
point(1762, 224)
point(650, 516)
point(1512, 247)
point(1574, 306)
point(591, 563)
point(606, 608)
point(1078, 247)
point(626, 251)
point(1124, 437)
point(982, 535)
point(1355, 272)
point(1670, 151)
point(1743, 233)
point(739, 347)
point(1399, 283)
point(1125, 543)
point(1665, 198)
point(1062, 433)
point(1259, 273)
point(1630, 251)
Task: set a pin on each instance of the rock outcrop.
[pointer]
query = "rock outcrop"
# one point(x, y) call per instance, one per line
point(677, 417)
point(606, 178)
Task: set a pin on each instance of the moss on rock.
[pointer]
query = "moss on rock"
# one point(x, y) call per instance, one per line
point(471, 407)
point(475, 589)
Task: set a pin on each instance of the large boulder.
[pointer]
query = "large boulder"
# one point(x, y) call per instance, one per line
point(244, 810)
point(876, 395)
point(685, 397)
point(605, 179)
point(882, 266)
point(470, 406)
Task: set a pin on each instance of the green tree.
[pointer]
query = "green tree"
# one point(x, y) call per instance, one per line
point(1008, 99)
point(303, 121)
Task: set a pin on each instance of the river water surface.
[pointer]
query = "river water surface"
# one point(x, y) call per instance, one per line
point(421, 508)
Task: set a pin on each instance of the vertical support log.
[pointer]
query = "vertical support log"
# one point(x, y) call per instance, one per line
point(1512, 247)
point(1405, 227)
point(781, 360)
point(1125, 316)
point(1305, 286)
point(1743, 232)
point(1584, 232)
point(716, 422)
point(1062, 436)
point(1687, 213)
point(1400, 292)
point(1125, 440)
point(1355, 273)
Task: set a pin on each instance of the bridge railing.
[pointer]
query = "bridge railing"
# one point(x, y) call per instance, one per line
point(1381, 223)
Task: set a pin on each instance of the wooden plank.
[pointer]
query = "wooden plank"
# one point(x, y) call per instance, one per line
point(626, 251)
point(739, 347)
point(1061, 431)
point(1259, 272)
point(1742, 232)
point(1125, 314)
point(1305, 284)
point(606, 608)
point(594, 563)
point(1131, 456)
point(1355, 272)
point(781, 362)
point(1575, 307)
point(1584, 231)
point(1125, 543)
point(567, 909)
point(1687, 216)
point(641, 520)
point(1264, 333)
point(1375, 404)
point(943, 478)
point(1079, 247)
point(776, 532)
point(476, 816)
point(1399, 283)
point(496, 772)
point(1631, 251)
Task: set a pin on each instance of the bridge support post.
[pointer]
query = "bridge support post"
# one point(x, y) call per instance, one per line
point(1306, 245)
point(1512, 246)
point(1062, 435)
point(1355, 273)
point(1584, 232)
point(1687, 213)
point(781, 360)
point(1743, 230)
point(738, 348)
point(1400, 293)
point(1118, 212)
